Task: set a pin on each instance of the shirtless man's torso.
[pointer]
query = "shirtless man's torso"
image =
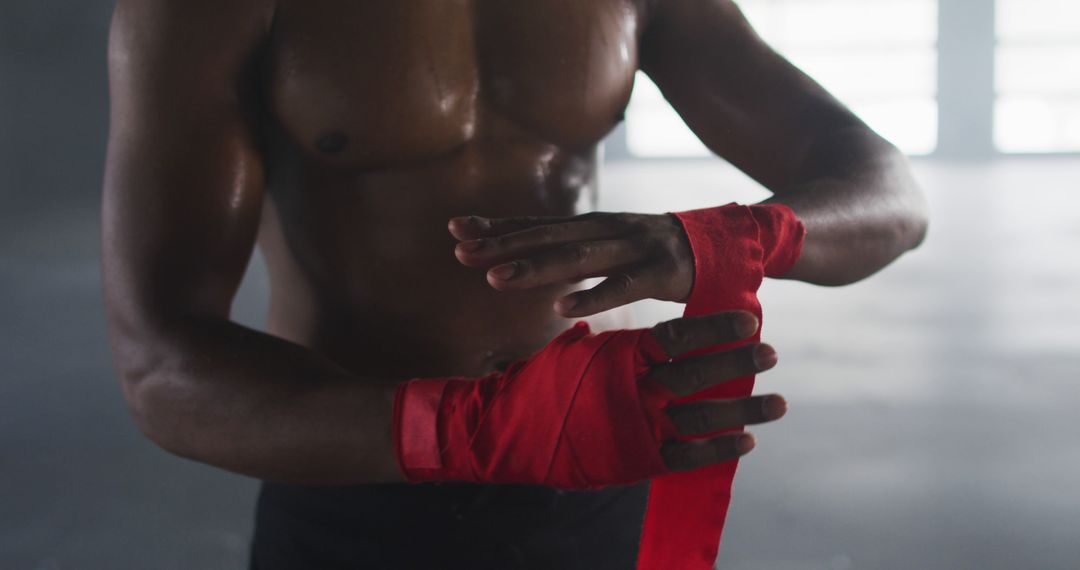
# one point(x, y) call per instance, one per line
point(390, 118)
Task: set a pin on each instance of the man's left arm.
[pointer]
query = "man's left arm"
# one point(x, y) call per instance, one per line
point(852, 189)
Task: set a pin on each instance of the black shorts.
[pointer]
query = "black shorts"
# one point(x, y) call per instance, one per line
point(447, 526)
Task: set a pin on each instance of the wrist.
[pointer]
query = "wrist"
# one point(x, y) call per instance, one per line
point(735, 247)
point(547, 420)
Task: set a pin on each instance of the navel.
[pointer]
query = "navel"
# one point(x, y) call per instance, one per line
point(332, 142)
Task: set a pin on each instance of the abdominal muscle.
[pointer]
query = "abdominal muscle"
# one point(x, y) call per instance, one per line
point(362, 267)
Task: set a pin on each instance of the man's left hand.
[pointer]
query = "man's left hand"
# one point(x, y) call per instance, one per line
point(641, 255)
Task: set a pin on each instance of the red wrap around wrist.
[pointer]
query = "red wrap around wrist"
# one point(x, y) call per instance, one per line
point(574, 415)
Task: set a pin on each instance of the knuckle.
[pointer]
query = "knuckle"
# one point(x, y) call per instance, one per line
point(587, 301)
point(619, 222)
point(615, 222)
point(622, 284)
point(581, 252)
point(730, 365)
point(722, 450)
point(676, 250)
point(720, 364)
point(695, 378)
point(673, 333)
point(691, 418)
point(672, 270)
point(546, 233)
point(675, 456)
point(700, 419)
point(642, 223)
point(670, 228)
point(648, 245)
point(726, 324)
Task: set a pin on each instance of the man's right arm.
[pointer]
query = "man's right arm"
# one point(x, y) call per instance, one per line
point(183, 193)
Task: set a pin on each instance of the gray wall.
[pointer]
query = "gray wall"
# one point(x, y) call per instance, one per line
point(79, 486)
point(52, 101)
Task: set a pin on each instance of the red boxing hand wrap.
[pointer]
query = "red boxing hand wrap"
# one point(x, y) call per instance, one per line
point(734, 248)
point(780, 234)
point(574, 415)
point(577, 414)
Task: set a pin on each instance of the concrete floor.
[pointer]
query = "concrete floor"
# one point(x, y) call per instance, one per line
point(933, 418)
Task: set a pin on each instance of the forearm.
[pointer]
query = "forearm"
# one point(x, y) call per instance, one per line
point(860, 205)
point(211, 390)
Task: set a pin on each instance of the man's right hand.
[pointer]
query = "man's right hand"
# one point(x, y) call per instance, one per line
point(691, 375)
point(589, 410)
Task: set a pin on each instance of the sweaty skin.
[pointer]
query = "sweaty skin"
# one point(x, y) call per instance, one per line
point(341, 137)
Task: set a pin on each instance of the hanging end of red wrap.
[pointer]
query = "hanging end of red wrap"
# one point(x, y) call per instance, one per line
point(734, 247)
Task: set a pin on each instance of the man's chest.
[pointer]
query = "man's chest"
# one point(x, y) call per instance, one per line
point(376, 80)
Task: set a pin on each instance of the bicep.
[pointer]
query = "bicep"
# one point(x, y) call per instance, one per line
point(184, 177)
point(742, 99)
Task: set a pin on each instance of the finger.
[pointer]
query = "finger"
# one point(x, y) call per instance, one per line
point(475, 227)
point(692, 375)
point(514, 245)
point(709, 416)
point(615, 291)
point(565, 263)
point(687, 455)
point(687, 334)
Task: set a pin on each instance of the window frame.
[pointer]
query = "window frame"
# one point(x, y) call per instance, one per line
point(966, 92)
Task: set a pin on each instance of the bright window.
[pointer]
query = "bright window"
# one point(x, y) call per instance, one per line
point(879, 57)
point(1037, 76)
